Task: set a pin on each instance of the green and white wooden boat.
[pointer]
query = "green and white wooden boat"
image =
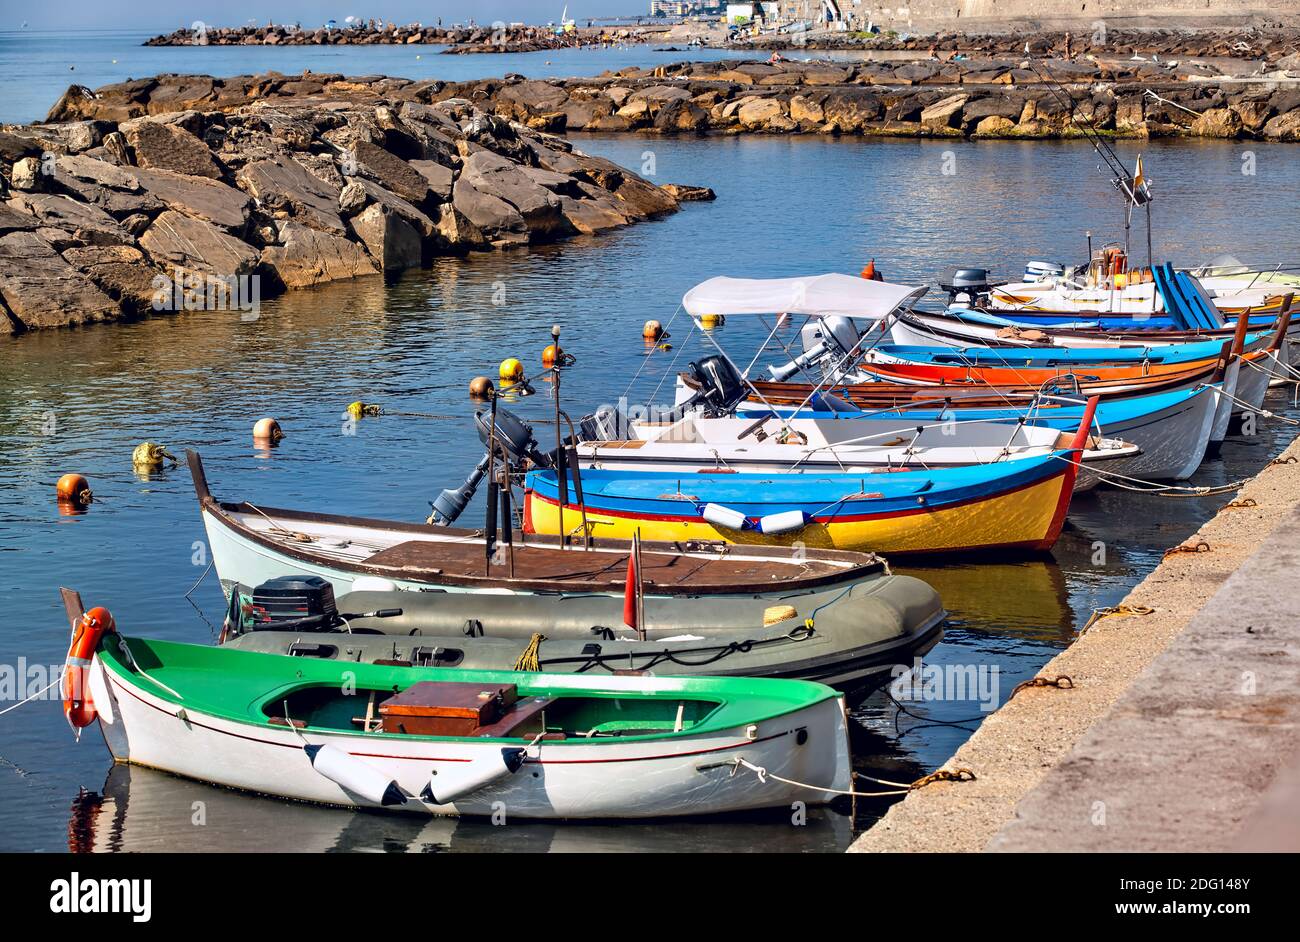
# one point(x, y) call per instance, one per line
point(571, 746)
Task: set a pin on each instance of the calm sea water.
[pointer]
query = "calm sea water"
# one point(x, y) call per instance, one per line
point(80, 400)
point(38, 65)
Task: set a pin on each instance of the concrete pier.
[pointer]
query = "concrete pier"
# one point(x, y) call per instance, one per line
point(1182, 731)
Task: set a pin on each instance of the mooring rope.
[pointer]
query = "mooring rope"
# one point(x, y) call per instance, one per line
point(38, 693)
point(1151, 487)
point(1114, 611)
point(941, 775)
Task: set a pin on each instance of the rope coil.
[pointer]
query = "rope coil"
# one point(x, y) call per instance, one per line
point(1116, 610)
point(1060, 681)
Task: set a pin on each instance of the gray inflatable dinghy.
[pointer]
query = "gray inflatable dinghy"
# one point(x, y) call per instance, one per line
point(850, 637)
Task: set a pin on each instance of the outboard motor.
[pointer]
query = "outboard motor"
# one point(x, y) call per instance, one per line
point(1036, 272)
point(823, 338)
point(515, 437)
point(721, 387)
point(964, 284)
point(296, 603)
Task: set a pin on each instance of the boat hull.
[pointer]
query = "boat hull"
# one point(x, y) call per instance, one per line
point(1023, 513)
point(568, 779)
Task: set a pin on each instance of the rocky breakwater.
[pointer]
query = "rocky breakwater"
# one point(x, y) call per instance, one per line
point(151, 194)
point(985, 98)
point(459, 39)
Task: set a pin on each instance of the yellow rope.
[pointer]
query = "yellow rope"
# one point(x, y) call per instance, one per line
point(528, 661)
point(1100, 613)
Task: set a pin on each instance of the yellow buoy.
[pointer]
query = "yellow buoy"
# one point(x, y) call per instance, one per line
point(652, 330)
point(74, 489)
point(480, 387)
point(148, 455)
point(267, 431)
point(710, 321)
point(511, 370)
point(360, 409)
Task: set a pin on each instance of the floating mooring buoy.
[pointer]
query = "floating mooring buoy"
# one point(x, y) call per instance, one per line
point(150, 455)
point(652, 330)
point(480, 387)
point(511, 370)
point(267, 431)
point(74, 489)
point(710, 321)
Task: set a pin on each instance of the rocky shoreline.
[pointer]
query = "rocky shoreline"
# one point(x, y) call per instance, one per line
point(219, 190)
point(459, 39)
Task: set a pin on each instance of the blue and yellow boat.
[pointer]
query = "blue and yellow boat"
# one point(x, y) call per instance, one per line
point(1016, 505)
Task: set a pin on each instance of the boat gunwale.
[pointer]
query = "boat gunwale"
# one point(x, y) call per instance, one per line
point(719, 721)
point(851, 566)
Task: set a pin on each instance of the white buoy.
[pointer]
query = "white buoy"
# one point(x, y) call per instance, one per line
point(464, 778)
point(354, 775)
point(721, 516)
point(785, 522)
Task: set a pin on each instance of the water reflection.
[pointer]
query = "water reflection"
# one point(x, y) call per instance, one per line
point(141, 810)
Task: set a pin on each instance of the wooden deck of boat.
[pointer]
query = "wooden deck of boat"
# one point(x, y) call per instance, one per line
point(575, 565)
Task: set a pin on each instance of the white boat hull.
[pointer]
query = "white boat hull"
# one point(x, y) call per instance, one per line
point(570, 779)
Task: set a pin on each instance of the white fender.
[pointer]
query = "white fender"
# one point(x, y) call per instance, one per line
point(463, 778)
point(355, 775)
point(721, 516)
point(785, 522)
point(373, 584)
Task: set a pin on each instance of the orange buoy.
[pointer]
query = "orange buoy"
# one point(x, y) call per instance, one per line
point(511, 370)
point(551, 354)
point(480, 387)
point(871, 273)
point(652, 330)
point(267, 431)
point(74, 489)
point(78, 706)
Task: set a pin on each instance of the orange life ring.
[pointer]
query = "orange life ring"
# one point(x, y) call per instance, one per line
point(78, 706)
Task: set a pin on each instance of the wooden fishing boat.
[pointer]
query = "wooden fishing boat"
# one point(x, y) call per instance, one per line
point(848, 637)
point(433, 741)
point(251, 543)
point(1017, 505)
point(806, 443)
point(1171, 430)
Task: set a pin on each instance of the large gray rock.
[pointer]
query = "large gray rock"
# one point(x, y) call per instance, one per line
point(499, 177)
point(439, 177)
point(525, 99)
point(310, 257)
point(120, 271)
point(391, 240)
point(284, 185)
point(416, 218)
point(595, 210)
point(86, 222)
point(163, 146)
point(474, 219)
point(15, 220)
point(105, 186)
point(390, 171)
point(209, 200)
point(39, 289)
point(184, 242)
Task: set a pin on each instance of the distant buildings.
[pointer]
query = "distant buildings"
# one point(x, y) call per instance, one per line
point(686, 7)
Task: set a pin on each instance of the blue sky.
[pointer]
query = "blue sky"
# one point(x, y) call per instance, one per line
point(166, 16)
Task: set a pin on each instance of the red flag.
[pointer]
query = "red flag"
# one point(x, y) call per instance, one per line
point(632, 587)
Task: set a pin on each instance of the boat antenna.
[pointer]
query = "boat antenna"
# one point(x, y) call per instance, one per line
point(1135, 194)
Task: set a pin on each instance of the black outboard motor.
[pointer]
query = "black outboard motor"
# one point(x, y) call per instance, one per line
point(301, 603)
point(964, 284)
point(721, 388)
point(514, 437)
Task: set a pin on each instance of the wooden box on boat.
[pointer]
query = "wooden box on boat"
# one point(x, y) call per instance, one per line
point(446, 708)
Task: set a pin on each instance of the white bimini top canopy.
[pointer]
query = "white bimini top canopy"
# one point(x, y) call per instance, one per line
point(826, 295)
